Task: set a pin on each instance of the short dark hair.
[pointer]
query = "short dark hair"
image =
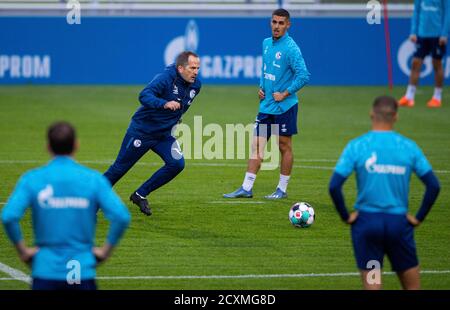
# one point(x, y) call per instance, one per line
point(384, 109)
point(183, 58)
point(281, 12)
point(61, 138)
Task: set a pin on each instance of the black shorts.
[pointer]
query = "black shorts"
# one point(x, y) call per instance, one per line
point(427, 46)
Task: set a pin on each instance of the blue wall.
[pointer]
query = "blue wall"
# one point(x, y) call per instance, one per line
point(119, 50)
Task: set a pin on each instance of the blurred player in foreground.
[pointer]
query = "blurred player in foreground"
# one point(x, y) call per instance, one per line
point(64, 197)
point(383, 161)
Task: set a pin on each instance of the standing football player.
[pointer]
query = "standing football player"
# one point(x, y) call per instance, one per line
point(64, 197)
point(430, 26)
point(163, 102)
point(383, 161)
point(283, 74)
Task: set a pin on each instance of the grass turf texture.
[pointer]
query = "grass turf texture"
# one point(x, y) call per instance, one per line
point(193, 231)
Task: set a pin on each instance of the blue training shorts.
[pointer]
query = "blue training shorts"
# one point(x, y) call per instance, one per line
point(281, 125)
point(427, 46)
point(377, 234)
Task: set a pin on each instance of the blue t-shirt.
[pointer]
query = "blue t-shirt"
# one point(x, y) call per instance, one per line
point(431, 18)
point(64, 197)
point(383, 162)
point(283, 69)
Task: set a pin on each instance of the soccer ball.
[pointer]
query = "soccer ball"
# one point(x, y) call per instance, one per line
point(302, 215)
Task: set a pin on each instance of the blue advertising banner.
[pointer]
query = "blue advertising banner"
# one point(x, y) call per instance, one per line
point(130, 50)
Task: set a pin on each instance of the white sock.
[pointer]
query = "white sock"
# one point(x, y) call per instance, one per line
point(410, 92)
point(437, 93)
point(248, 181)
point(283, 183)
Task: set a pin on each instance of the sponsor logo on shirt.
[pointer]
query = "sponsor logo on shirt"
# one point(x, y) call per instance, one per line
point(275, 64)
point(269, 76)
point(46, 200)
point(429, 7)
point(372, 167)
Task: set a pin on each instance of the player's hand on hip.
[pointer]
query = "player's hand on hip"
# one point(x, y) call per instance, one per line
point(352, 217)
point(412, 220)
point(413, 38)
point(27, 254)
point(280, 96)
point(261, 94)
point(102, 253)
point(443, 41)
point(172, 105)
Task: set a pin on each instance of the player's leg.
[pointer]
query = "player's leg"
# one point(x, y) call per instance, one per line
point(410, 279)
point(423, 48)
point(287, 127)
point(131, 150)
point(368, 246)
point(437, 53)
point(401, 250)
point(261, 135)
point(408, 99)
point(369, 279)
point(170, 152)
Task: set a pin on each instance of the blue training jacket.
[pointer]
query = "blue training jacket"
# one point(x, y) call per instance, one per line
point(283, 69)
point(431, 18)
point(64, 197)
point(151, 119)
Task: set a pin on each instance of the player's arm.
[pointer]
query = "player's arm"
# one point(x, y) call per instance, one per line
point(261, 93)
point(415, 21)
point(150, 96)
point(301, 73)
point(432, 189)
point(443, 39)
point(116, 213)
point(11, 215)
point(335, 190)
point(343, 170)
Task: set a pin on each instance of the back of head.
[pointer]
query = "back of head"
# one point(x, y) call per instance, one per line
point(282, 13)
point(384, 110)
point(61, 138)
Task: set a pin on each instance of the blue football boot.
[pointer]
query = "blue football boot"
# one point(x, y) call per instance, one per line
point(239, 193)
point(278, 194)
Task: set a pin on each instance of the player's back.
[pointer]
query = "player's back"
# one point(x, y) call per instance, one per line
point(383, 162)
point(64, 199)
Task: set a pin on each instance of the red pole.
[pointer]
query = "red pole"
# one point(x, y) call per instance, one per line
point(388, 43)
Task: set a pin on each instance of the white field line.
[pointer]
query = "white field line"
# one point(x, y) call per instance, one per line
point(20, 276)
point(236, 202)
point(14, 273)
point(196, 164)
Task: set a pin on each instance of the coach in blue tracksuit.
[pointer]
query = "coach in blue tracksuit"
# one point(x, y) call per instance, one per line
point(163, 102)
point(283, 74)
point(384, 161)
point(64, 198)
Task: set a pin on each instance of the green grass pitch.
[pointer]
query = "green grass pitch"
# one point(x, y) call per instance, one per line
point(193, 231)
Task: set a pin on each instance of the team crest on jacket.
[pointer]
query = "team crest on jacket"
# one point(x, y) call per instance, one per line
point(278, 55)
point(137, 143)
point(175, 90)
point(192, 94)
